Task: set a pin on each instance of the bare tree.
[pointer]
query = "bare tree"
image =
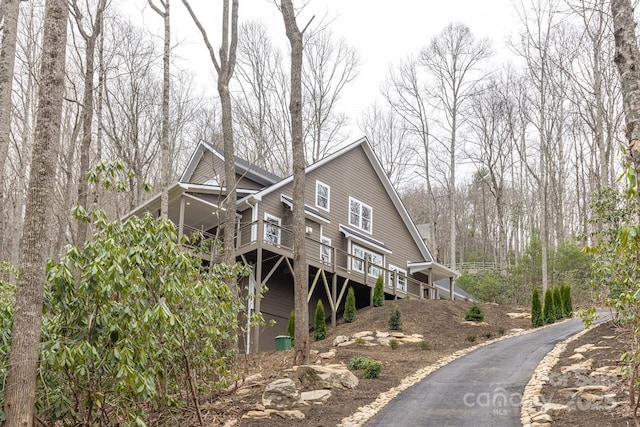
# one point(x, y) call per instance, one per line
point(224, 67)
point(389, 138)
point(165, 162)
point(452, 58)
point(9, 10)
point(329, 66)
point(300, 278)
point(90, 36)
point(627, 59)
point(25, 334)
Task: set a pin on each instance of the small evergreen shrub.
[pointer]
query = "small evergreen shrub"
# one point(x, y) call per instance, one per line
point(291, 326)
point(536, 309)
point(471, 338)
point(360, 341)
point(371, 367)
point(350, 306)
point(548, 312)
point(372, 370)
point(567, 304)
point(474, 313)
point(395, 322)
point(557, 303)
point(501, 331)
point(394, 343)
point(424, 345)
point(378, 292)
point(320, 323)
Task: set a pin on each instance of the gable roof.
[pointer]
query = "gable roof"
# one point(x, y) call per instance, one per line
point(384, 179)
point(243, 167)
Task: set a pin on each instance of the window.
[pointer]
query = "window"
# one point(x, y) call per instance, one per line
point(374, 260)
point(360, 215)
point(271, 229)
point(322, 195)
point(400, 277)
point(325, 249)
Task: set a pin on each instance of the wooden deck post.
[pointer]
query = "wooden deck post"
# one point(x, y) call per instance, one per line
point(256, 301)
point(334, 297)
point(451, 289)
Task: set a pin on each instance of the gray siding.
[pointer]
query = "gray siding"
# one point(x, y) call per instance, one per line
point(352, 175)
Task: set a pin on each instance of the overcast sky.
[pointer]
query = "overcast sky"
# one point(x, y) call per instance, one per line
point(382, 32)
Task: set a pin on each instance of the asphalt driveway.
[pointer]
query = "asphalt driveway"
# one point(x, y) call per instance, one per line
point(483, 388)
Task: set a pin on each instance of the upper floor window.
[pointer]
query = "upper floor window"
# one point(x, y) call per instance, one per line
point(322, 195)
point(272, 229)
point(360, 215)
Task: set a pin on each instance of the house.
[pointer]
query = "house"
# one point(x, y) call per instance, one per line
point(357, 229)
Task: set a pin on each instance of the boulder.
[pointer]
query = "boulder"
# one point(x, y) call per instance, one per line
point(327, 377)
point(345, 343)
point(316, 396)
point(362, 334)
point(340, 339)
point(380, 334)
point(281, 394)
point(554, 408)
point(331, 354)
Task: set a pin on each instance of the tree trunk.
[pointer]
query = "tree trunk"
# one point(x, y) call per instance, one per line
point(25, 334)
point(10, 11)
point(87, 111)
point(294, 35)
point(627, 59)
point(165, 160)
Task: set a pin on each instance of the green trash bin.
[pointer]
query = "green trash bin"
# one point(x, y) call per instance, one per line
point(283, 342)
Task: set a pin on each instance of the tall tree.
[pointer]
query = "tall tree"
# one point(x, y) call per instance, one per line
point(165, 154)
point(90, 36)
point(300, 278)
point(224, 68)
point(25, 334)
point(627, 59)
point(452, 58)
point(9, 10)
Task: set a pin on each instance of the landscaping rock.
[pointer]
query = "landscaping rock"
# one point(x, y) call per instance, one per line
point(554, 408)
point(380, 334)
point(362, 334)
point(340, 339)
point(281, 394)
point(345, 343)
point(316, 396)
point(327, 377)
point(331, 354)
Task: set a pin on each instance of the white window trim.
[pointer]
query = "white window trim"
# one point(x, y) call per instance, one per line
point(324, 242)
point(393, 269)
point(328, 208)
point(254, 220)
point(359, 226)
point(268, 218)
point(371, 266)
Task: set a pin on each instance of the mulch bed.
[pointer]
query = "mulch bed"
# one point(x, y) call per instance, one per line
point(612, 341)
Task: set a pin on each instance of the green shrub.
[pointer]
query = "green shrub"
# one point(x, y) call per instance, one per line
point(474, 313)
point(394, 343)
point(320, 323)
point(350, 306)
point(471, 338)
point(395, 323)
point(424, 345)
point(360, 341)
point(536, 309)
point(548, 311)
point(371, 367)
point(372, 370)
point(567, 306)
point(557, 303)
point(291, 326)
point(378, 292)
point(501, 331)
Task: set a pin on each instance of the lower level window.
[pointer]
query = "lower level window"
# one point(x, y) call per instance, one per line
point(374, 261)
point(325, 249)
point(399, 276)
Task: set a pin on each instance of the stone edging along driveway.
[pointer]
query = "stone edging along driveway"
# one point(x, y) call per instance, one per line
point(366, 412)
